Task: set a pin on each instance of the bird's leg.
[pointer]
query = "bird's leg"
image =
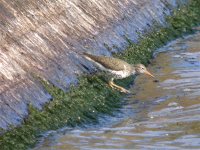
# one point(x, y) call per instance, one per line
point(113, 85)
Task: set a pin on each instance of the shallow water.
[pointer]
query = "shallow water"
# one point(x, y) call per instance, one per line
point(163, 114)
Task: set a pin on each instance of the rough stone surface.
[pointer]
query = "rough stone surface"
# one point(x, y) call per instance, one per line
point(45, 38)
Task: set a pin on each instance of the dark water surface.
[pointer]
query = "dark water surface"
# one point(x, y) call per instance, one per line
point(162, 115)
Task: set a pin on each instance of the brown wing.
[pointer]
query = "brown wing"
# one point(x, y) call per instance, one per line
point(109, 62)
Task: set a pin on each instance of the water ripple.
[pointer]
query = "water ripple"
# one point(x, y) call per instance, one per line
point(162, 115)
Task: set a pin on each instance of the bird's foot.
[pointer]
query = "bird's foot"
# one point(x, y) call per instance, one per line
point(123, 90)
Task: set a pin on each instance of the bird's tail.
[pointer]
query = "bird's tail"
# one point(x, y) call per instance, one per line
point(88, 56)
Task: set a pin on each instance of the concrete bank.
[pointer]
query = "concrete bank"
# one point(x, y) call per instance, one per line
point(44, 38)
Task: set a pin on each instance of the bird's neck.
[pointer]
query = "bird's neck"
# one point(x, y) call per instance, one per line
point(132, 70)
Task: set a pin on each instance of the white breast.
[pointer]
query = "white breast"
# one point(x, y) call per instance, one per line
point(121, 74)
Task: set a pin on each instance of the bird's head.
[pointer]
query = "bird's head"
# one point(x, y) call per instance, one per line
point(141, 69)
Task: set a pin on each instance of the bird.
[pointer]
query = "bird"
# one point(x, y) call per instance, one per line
point(116, 68)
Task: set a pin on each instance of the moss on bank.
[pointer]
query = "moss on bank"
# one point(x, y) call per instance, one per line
point(80, 104)
point(92, 96)
point(180, 23)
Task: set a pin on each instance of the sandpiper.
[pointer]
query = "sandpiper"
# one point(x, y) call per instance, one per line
point(117, 68)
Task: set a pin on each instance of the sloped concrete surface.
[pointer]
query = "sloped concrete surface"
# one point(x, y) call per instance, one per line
point(45, 38)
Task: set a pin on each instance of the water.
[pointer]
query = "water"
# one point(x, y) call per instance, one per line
point(163, 114)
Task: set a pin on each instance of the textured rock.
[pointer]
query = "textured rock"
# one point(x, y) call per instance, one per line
point(45, 38)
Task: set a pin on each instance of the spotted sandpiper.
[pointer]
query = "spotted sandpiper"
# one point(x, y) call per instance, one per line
point(117, 68)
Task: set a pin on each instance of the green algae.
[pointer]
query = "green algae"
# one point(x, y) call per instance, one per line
point(79, 105)
point(181, 22)
point(83, 103)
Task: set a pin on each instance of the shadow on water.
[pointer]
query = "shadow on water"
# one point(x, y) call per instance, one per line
point(163, 114)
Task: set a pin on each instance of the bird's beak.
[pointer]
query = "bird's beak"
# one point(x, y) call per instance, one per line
point(148, 73)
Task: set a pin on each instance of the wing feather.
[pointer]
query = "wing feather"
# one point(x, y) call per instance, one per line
point(109, 62)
